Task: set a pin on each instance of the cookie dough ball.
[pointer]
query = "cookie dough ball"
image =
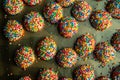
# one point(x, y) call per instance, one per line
point(65, 3)
point(32, 2)
point(116, 73)
point(85, 45)
point(48, 74)
point(68, 27)
point(84, 72)
point(115, 41)
point(103, 78)
point(81, 10)
point(53, 12)
point(104, 52)
point(25, 78)
point(13, 7)
point(113, 7)
point(47, 48)
point(25, 57)
point(64, 78)
point(101, 20)
point(34, 21)
point(66, 57)
point(13, 30)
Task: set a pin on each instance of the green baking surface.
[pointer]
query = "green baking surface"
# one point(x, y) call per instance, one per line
point(10, 71)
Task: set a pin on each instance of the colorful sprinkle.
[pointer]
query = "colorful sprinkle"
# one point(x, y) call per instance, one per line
point(48, 74)
point(13, 30)
point(66, 57)
point(13, 7)
point(65, 3)
point(84, 72)
point(34, 22)
point(64, 78)
point(85, 45)
point(47, 48)
point(116, 73)
point(25, 57)
point(25, 78)
point(68, 27)
point(115, 41)
point(101, 20)
point(81, 10)
point(53, 12)
point(113, 7)
point(104, 52)
point(103, 78)
point(33, 2)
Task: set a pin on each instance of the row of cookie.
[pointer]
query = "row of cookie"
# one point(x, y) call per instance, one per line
point(83, 72)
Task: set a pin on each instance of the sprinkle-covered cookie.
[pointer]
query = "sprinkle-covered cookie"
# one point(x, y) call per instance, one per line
point(84, 72)
point(34, 21)
point(25, 78)
point(104, 52)
point(101, 20)
point(48, 74)
point(85, 45)
point(65, 3)
point(115, 75)
point(113, 7)
point(32, 2)
point(66, 57)
point(25, 57)
point(13, 7)
point(47, 48)
point(53, 12)
point(68, 27)
point(13, 30)
point(81, 10)
point(115, 41)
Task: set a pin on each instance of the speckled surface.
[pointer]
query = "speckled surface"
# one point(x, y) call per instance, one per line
point(10, 71)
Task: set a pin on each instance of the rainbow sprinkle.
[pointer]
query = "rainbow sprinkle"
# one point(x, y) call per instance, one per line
point(25, 57)
point(53, 12)
point(81, 10)
point(13, 30)
point(34, 22)
point(68, 27)
point(13, 7)
point(103, 78)
point(64, 78)
point(25, 78)
point(47, 48)
point(66, 57)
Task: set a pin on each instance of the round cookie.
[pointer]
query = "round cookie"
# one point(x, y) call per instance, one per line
point(13, 30)
point(103, 78)
point(47, 48)
point(53, 12)
point(66, 57)
point(101, 20)
point(34, 21)
point(104, 52)
point(65, 3)
point(84, 72)
point(115, 75)
point(25, 57)
point(68, 27)
point(32, 2)
point(85, 45)
point(115, 41)
point(81, 10)
point(113, 7)
point(48, 74)
point(25, 78)
point(13, 7)
point(64, 78)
